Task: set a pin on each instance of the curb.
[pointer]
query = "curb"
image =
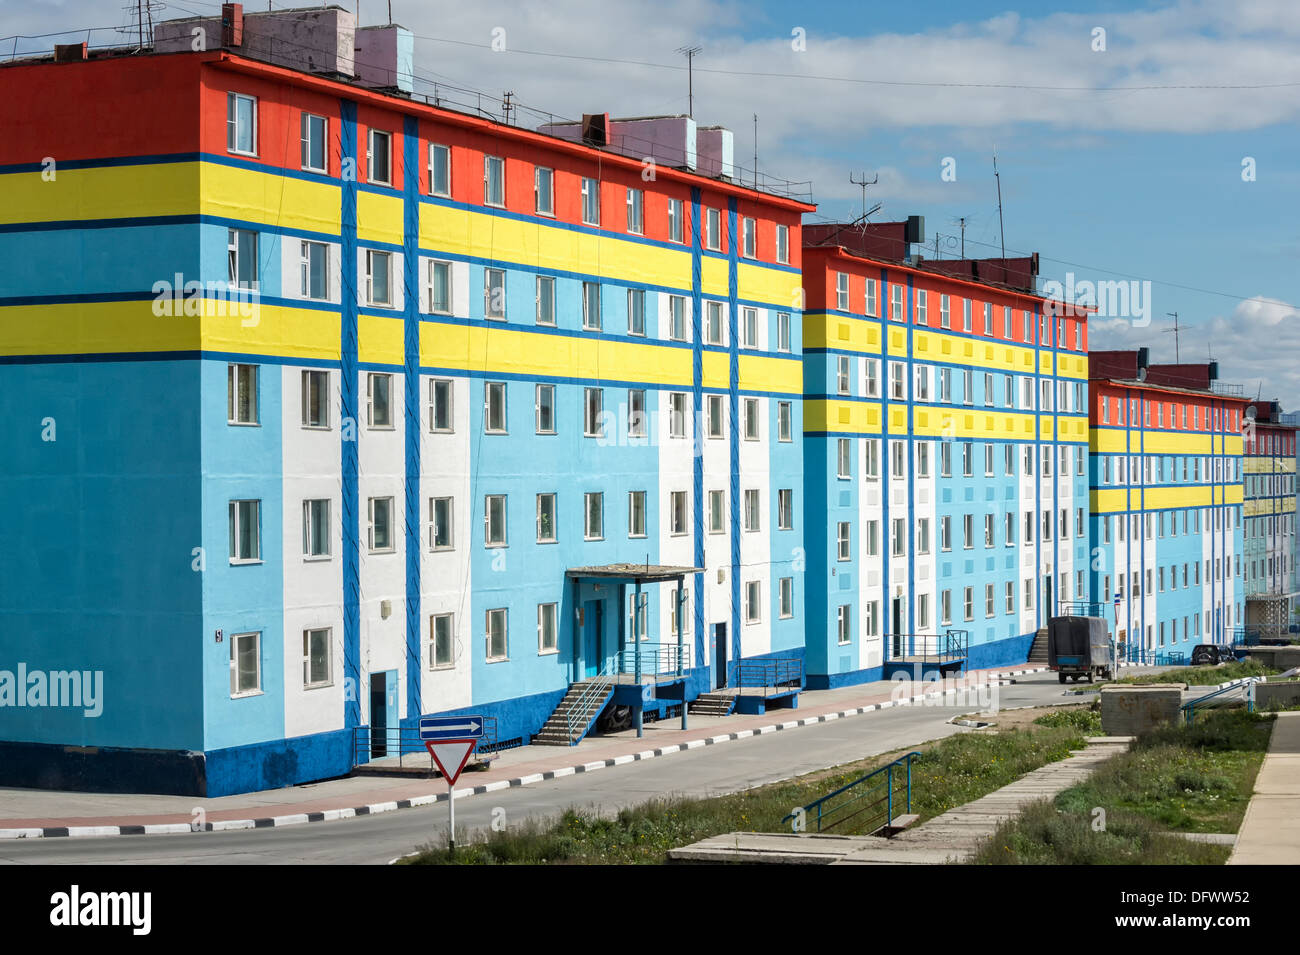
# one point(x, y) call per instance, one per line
point(330, 815)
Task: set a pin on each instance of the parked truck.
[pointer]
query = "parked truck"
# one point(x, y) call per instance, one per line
point(1079, 647)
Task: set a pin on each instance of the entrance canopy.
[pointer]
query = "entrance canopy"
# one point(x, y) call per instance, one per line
point(637, 573)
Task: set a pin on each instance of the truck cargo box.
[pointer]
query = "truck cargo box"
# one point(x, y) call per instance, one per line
point(1081, 642)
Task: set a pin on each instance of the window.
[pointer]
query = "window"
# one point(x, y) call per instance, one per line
point(593, 516)
point(241, 394)
point(897, 380)
point(494, 293)
point(676, 414)
point(783, 244)
point(968, 603)
point(316, 658)
point(379, 408)
point(677, 513)
point(441, 641)
point(968, 531)
point(897, 459)
point(1029, 594)
point(871, 379)
point(1009, 528)
point(945, 607)
point(590, 201)
point(440, 288)
point(843, 626)
point(923, 611)
point(439, 170)
point(749, 328)
point(377, 157)
point(315, 399)
point(546, 628)
point(923, 535)
point(783, 420)
point(440, 523)
point(786, 586)
point(752, 522)
point(871, 535)
point(636, 311)
point(676, 232)
point(751, 419)
point(899, 537)
point(316, 528)
point(842, 291)
point(592, 424)
point(871, 299)
point(1006, 321)
point(546, 518)
point(713, 407)
point(496, 635)
point(591, 306)
point(545, 300)
point(965, 323)
point(241, 124)
point(967, 459)
point(494, 407)
point(713, 323)
point(988, 318)
point(313, 270)
point(844, 449)
point(717, 512)
point(871, 469)
point(1011, 597)
point(712, 230)
point(785, 509)
point(844, 366)
point(494, 520)
point(494, 181)
point(379, 274)
point(753, 601)
point(749, 238)
point(677, 318)
point(921, 311)
point(440, 419)
point(783, 331)
point(635, 211)
point(896, 302)
point(945, 533)
point(381, 524)
point(922, 383)
point(636, 513)
point(241, 258)
point(544, 191)
point(844, 550)
point(923, 459)
point(544, 409)
point(988, 530)
point(636, 417)
point(245, 664)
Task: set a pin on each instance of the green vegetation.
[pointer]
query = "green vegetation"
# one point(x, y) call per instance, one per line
point(1087, 720)
point(949, 773)
point(1178, 778)
point(1192, 676)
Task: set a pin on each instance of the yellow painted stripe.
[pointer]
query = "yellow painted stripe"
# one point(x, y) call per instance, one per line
point(1234, 494)
point(1071, 365)
point(973, 425)
point(763, 373)
point(715, 370)
point(1111, 441)
point(757, 283)
point(856, 417)
point(986, 355)
point(1047, 428)
point(111, 192)
point(821, 330)
point(1107, 501)
point(277, 201)
point(379, 218)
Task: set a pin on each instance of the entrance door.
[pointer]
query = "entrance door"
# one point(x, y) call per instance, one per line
point(378, 715)
point(591, 614)
point(897, 627)
point(719, 655)
point(1049, 608)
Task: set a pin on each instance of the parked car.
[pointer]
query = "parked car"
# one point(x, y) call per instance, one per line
point(1210, 654)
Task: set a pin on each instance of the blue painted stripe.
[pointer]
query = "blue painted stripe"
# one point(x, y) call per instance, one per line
point(697, 417)
point(348, 363)
point(411, 408)
point(733, 422)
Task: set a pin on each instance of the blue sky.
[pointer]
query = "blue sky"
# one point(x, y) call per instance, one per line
point(1104, 182)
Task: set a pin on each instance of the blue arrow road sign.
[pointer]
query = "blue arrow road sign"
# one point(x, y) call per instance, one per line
point(451, 727)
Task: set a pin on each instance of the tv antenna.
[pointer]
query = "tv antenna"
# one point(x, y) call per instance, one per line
point(1174, 316)
point(507, 107)
point(690, 52)
point(864, 183)
point(1002, 236)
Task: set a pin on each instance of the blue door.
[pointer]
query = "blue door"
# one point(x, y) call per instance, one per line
point(591, 638)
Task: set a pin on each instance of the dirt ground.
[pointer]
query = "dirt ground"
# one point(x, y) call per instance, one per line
point(1018, 719)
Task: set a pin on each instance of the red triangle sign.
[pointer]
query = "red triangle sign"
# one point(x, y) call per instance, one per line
point(451, 756)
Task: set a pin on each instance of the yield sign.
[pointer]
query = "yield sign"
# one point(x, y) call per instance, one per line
point(451, 756)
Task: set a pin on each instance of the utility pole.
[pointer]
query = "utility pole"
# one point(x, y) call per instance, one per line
point(1174, 316)
point(506, 105)
point(690, 52)
point(962, 220)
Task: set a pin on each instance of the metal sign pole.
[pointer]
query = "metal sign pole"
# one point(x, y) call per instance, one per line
point(451, 818)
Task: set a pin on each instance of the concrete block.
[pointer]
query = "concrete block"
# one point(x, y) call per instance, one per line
point(1137, 709)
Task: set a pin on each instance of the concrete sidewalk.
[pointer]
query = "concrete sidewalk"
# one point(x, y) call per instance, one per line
point(28, 813)
point(1270, 833)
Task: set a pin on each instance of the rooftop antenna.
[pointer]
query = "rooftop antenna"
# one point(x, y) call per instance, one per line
point(1001, 232)
point(756, 151)
point(690, 53)
point(1174, 316)
point(506, 106)
point(864, 183)
point(962, 220)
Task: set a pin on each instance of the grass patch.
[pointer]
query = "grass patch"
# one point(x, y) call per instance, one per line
point(1045, 835)
point(1087, 720)
point(1178, 778)
point(1204, 675)
point(949, 773)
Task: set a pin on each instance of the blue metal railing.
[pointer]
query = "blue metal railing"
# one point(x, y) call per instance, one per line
point(876, 796)
point(928, 648)
point(378, 743)
point(590, 702)
point(654, 658)
point(766, 673)
point(1243, 688)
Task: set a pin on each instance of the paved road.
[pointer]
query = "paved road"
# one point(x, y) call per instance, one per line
point(711, 770)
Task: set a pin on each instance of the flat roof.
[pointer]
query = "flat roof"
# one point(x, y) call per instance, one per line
point(642, 572)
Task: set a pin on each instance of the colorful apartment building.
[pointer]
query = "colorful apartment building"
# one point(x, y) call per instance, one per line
point(945, 440)
point(1269, 576)
point(1166, 510)
point(333, 408)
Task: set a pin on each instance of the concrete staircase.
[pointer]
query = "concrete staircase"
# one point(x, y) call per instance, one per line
point(713, 704)
point(576, 714)
point(1038, 651)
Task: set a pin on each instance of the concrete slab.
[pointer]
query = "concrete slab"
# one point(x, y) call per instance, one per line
point(1270, 832)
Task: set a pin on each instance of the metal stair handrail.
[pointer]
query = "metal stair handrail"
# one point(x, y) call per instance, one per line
point(1189, 708)
point(821, 814)
point(654, 658)
point(592, 695)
